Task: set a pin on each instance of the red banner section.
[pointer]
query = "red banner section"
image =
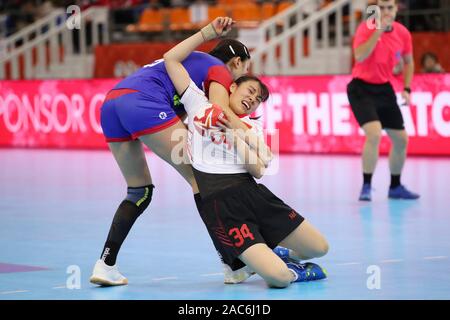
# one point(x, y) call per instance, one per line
point(306, 114)
point(312, 115)
point(53, 113)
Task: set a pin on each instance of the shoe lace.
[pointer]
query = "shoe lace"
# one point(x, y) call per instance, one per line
point(300, 266)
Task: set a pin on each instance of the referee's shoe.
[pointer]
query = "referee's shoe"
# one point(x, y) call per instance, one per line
point(400, 192)
point(366, 193)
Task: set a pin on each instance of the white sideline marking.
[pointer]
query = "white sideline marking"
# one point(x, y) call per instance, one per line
point(212, 274)
point(435, 258)
point(16, 291)
point(348, 263)
point(391, 260)
point(165, 278)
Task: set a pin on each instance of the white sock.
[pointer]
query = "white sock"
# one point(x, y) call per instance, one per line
point(295, 275)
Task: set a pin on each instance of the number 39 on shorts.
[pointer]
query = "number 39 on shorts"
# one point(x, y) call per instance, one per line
point(239, 234)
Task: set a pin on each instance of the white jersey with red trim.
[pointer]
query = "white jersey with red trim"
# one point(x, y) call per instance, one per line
point(208, 147)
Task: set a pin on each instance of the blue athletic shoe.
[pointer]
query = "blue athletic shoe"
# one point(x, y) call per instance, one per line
point(400, 192)
point(366, 193)
point(307, 271)
point(283, 253)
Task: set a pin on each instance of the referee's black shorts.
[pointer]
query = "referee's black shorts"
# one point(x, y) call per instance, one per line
point(375, 102)
point(244, 215)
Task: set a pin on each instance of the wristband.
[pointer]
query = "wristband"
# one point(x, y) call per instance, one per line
point(209, 33)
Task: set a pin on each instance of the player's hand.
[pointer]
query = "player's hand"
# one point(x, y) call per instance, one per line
point(223, 122)
point(225, 119)
point(406, 97)
point(222, 25)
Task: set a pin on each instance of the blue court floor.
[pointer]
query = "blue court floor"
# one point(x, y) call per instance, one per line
point(56, 208)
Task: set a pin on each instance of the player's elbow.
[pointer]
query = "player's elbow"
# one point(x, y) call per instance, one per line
point(258, 175)
point(359, 57)
point(268, 159)
point(170, 57)
point(257, 171)
point(359, 54)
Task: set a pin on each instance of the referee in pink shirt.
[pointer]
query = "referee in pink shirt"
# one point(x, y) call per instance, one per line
point(372, 98)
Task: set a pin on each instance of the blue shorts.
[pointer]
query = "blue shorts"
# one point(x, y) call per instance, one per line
point(127, 114)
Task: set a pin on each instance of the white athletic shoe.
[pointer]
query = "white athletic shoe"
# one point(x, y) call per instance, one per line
point(237, 276)
point(105, 275)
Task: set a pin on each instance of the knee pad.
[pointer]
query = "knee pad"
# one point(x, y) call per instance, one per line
point(129, 210)
point(140, 197)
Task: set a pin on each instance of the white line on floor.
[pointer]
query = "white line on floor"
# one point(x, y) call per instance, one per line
point(212, 274)
point(435, 258)
point(391, 261)
point(16, 291)
point(166, 278)
point(60, 287)
point(348, 263)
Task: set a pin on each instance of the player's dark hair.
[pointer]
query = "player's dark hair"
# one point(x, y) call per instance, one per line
point(227, 49)
point(263, 87)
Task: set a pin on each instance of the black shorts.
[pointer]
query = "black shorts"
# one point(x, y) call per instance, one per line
point(375, 102)
point(243, 215)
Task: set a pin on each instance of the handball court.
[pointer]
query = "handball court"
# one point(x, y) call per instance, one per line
point(56, 208)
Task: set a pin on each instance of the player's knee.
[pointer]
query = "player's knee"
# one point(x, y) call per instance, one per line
point(374, 137)
point(278, 277)
point(322, 248)
point(140, 197)
point(401, 142)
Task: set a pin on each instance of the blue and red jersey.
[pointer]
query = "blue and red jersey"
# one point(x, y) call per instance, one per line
point(202, 68)
point(146, 101)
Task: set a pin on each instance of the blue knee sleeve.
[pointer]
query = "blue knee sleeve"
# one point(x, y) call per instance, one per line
point(140, 196)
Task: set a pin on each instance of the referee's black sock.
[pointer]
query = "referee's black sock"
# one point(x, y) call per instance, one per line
point(395, 181)
point(367, 177)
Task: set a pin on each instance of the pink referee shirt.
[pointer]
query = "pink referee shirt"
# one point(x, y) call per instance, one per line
point(378, 66)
